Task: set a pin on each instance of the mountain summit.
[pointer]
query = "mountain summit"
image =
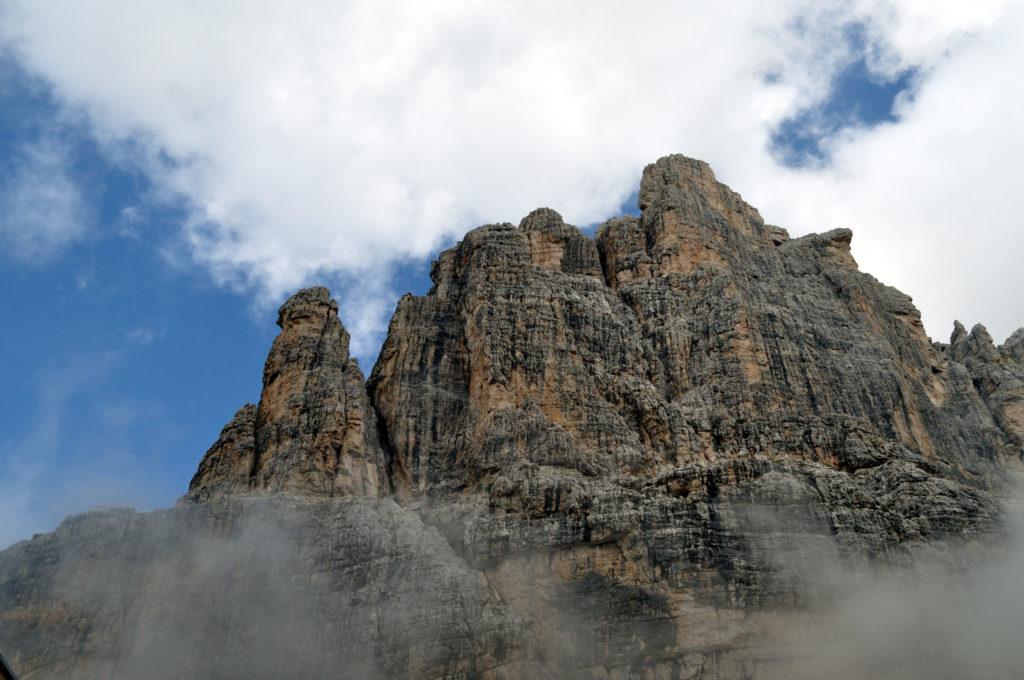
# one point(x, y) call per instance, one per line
point(643, 455)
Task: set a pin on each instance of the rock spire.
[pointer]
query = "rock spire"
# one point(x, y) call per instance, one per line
point(314, 431)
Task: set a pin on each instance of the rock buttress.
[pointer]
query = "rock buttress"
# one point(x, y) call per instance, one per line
point(314, 432)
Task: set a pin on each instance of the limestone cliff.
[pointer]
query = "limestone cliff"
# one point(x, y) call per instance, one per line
point(314, 432)
point(644, 455)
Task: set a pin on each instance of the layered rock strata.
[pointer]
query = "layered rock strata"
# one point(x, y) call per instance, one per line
point(644, 455)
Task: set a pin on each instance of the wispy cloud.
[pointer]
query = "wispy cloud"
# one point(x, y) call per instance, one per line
point(83, 448)
point(29, 460)
point(41, 207)
point(144, 335)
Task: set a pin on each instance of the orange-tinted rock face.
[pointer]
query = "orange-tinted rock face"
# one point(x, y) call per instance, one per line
point(314, 432)
point(710, 335)
point(619, 437)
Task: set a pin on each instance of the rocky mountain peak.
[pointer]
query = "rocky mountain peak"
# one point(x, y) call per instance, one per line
point(688, 189)
point(312, 339)
point(557, 246)
point(314, 431)
point(978, 343)
point(310, 308)
point(996, 372)
point(1015, 344)
point(689, 223)
point(543, 219)
point(709, 327)
point(638, 455)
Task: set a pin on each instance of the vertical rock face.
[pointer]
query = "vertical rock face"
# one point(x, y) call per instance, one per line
point(767, 344)
point(519, 354)
point(314, 431)
point(645, 455)
point(622, 449)
point(707, 336)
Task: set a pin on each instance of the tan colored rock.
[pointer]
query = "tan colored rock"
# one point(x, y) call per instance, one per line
point(649, 459)
point(314, 432)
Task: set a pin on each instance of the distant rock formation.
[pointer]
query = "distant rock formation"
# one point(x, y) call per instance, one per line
point(642, 455)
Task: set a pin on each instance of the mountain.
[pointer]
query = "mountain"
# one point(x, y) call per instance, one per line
point(665, 452)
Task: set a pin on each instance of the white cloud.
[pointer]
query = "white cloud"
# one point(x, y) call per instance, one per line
point(144, 335)
point(931, 198)
point(41, 208)
point(341, 137)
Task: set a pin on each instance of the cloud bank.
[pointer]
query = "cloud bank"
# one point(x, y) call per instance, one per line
point(340, 139)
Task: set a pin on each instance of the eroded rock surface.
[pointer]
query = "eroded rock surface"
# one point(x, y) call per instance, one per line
point(652, 454)
point(997, 373)
point(314, 431)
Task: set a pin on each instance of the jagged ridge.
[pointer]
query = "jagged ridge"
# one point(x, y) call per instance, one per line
point(693, 333)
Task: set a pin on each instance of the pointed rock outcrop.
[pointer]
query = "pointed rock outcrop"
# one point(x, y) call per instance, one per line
point(997, 373)
point(1014, 345)
point(314, 431)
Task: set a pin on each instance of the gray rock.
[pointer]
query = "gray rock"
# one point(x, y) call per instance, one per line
point(254, 588)
point(997, 374)
point(314, 432)
point(652, 454)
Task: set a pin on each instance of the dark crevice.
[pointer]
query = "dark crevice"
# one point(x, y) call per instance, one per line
point(384, 437)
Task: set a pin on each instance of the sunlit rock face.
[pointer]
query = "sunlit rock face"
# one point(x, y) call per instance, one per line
point(314, 432)
point(660, 453)
point(707, 336)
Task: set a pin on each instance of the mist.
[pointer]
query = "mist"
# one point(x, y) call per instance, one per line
point(950, 610)
point(261, 588)
point(360, 588)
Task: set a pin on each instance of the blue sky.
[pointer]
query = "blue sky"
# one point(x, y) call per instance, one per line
point(125, 362)
point(129, 344)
